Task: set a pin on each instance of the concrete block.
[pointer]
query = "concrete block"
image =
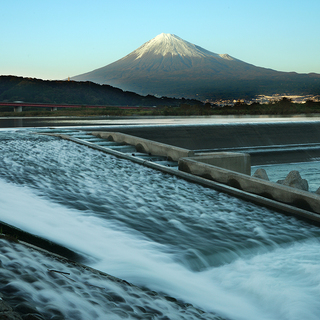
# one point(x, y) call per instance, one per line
point(261, 174)
point(235, 161)
point(299, 198)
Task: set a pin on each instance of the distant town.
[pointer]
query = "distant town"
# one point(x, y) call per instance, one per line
point(265, 99)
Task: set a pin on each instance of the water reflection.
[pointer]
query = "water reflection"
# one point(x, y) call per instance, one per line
point(18, 122)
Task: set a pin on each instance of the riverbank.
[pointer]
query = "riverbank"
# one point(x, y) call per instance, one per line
point(165, 107)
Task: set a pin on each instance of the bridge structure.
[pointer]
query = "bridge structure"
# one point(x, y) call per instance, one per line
point(18, 106)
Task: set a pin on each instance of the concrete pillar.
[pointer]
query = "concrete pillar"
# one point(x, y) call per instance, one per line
point(17, 109)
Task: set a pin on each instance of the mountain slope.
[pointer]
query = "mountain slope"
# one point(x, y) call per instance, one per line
point(169, 66)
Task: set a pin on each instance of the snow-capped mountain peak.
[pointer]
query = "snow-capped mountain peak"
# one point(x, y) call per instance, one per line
point(166, 43)
point(170, 66)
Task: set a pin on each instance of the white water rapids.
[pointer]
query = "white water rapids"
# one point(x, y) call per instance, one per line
point(217, 252)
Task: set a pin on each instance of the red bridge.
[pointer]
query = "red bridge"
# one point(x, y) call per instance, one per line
point(19, 105)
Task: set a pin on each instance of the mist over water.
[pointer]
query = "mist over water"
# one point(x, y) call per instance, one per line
point(152, 229)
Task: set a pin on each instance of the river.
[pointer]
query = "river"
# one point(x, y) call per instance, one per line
point(219, 253)
point(16, 122)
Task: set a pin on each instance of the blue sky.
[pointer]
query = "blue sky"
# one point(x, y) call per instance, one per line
point(54, 39)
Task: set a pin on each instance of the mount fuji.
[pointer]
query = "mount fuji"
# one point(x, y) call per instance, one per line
point(170, 66)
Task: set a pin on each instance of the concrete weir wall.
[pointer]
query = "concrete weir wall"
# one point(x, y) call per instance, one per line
point(229, 185)
point(298, 198)
point(228, 136)
point(230, 168)
point(271, 136)
point(238, 162)
point(146, 146)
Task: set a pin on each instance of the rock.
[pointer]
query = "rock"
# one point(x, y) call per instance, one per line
point(20, 312)
point(4, 307)
point(10, 316)
point(25, 308)
point(32, 316)
point(294, 180)
point(318, 191)
point(261, 174)
point(6, 311)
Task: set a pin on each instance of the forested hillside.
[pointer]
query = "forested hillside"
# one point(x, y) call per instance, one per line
point(72, 92)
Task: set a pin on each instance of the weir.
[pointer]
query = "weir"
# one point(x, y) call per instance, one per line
point(146, 145)
point(275, 142)
point(224, 171)
point(197, 244)
point(231, 169)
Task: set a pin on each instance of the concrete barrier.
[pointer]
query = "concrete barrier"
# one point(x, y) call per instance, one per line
point(295, 197)
point(235, 161)
point(221, 187)
point(146, 146)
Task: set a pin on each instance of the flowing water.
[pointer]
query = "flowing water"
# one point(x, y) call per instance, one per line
point(157, 231)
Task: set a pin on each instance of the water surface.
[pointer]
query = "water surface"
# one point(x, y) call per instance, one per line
point(155, 230)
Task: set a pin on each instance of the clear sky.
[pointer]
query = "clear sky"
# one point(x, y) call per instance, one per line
point(54, 39)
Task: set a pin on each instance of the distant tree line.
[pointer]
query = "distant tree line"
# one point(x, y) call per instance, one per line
point(80, 93)
point(284, 106)
point(88, 93)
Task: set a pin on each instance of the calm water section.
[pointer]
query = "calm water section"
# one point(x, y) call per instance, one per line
point(19, 122)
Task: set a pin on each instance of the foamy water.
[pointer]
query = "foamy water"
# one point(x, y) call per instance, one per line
point(217, 252)
point(63, 290)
